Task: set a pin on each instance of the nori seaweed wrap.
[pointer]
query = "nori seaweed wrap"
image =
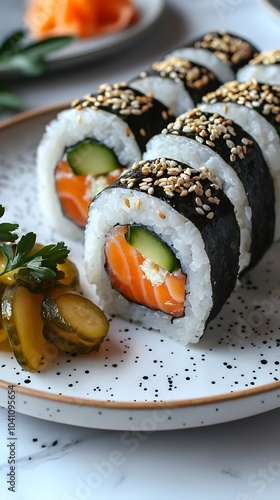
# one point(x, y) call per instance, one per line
point(223, 137)
point(188, 219)
point(179, 83)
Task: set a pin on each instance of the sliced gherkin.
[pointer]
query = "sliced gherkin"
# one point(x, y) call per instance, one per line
point(21, 312)
point(71, 318)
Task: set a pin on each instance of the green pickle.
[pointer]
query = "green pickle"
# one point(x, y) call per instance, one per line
point(34, 314)
point(3, 331)
point(21, 312)
point(73, 322)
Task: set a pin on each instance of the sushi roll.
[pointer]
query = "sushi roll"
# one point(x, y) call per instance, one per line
point(256, 108)
point(264, 67)
point(233, 156)
point(162, 247)
point(178, 83)
point(86, 148)
point(221, 52)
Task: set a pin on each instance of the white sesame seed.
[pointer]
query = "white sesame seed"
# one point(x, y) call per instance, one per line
point(200, 211)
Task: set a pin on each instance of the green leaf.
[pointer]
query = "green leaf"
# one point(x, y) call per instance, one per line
point(40, 49)
point(41, 265)
point(41, 273)
point(23, 248)
point(51, 254)
point(8, 251)
point(6, 229)
point(29, 59)
point(6, 232)
point(12, 44)
point(24, 64)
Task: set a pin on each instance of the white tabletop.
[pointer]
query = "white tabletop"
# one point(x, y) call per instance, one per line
point(232, 461)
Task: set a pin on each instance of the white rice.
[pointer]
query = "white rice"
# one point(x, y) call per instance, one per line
point(264, 73)
point(171, 93)
point(264, 134)
point(109, 209)
point(205, 58)
point(196, 155)
point(67, 129)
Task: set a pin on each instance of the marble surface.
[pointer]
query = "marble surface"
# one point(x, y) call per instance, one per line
point(234, 461)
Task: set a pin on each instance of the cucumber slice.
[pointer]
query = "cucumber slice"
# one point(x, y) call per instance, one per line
point(73, 318)
point(67, 341)
point(3, 331)
point(21, 312)
point(89, 157)
point(152, 247)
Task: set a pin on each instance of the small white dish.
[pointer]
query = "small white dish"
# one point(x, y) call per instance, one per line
point(89, 49)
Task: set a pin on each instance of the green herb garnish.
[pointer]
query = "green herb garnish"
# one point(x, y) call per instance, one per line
point(6, 229)
point(19, 55)
point(29, 58)
point(40, 265)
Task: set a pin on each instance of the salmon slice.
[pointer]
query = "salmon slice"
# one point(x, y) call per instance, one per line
point(81, 18)
point(74, 191)
point(123, 263)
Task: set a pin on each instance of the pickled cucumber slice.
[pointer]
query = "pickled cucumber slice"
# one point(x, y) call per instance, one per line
point(21, 312)
point(66, 311)
point(89, 157)
point(152, 247)
point(71, 274)
point(67, 341)
point(3, 331)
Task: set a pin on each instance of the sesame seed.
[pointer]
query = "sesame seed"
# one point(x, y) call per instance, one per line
point(200, 211)
point(210, 215)
point(168, 192)
point(175, 179)
point(206, 207)
point(198, 191)
point(184, 192)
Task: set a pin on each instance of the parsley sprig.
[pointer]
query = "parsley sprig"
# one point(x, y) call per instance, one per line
point(40, 265)
point(7, 229)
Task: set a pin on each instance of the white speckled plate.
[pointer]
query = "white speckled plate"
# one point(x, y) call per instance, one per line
point(140, 380)
point(83, 50)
